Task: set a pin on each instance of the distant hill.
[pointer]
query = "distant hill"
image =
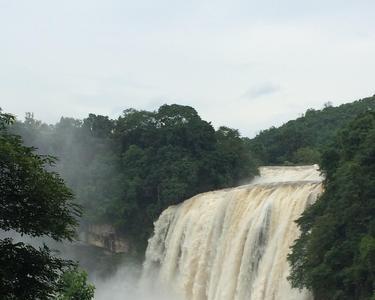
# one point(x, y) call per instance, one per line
point(302, 141)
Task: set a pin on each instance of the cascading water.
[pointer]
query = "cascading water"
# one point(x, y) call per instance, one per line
point(232, 244)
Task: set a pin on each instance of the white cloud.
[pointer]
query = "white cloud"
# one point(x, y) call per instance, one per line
point(261, 90)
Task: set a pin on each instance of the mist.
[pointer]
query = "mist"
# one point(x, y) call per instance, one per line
point(86, 162)
point(123, 282)
point(127, 284)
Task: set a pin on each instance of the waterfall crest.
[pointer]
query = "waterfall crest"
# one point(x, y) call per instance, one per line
point(232, 244)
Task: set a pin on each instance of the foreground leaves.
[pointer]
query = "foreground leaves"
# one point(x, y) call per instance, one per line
point(35, 202)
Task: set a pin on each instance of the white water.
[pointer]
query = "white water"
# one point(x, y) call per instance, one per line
point(232, 244)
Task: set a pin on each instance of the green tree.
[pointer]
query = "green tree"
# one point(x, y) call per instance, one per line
point(302, 141)
point(73, 286)
point(35, 202)
point(335, 254)
point(126, 171)
point(306, 155)
point(236, 162)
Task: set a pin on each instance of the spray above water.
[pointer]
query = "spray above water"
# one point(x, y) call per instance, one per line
point(232, 244)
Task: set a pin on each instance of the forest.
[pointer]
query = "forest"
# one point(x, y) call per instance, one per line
point(126, 171)
point(302, 141)
point(335, 255)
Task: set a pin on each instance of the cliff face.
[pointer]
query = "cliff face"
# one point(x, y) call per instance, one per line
point(105, 236)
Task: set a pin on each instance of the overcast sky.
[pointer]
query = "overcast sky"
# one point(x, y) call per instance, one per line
point(241, 63)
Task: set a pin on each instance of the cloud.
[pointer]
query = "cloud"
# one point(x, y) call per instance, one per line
point(261, 90)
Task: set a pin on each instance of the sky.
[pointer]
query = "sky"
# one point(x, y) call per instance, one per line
point(240, 63)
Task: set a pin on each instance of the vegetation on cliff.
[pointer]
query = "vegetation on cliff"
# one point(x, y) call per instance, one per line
point(302, 141)
point(335, 255)
point(126, 171)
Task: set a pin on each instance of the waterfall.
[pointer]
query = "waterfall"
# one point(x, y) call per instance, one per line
point(232, 244)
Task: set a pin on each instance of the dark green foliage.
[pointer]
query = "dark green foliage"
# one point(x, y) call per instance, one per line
point(335, 255)
point(126, 171)
point(170, 155)
point(302, 141)
point(73, 286)
point(28, 273)
point(232, 153)
point(35, 202)
point(32, 200)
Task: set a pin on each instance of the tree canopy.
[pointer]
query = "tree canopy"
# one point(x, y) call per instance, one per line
point(335, 255)
point(126, 171)
point(302, 141)
point(73, 286)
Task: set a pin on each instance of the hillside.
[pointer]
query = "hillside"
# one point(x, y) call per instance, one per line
point(302, 141)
